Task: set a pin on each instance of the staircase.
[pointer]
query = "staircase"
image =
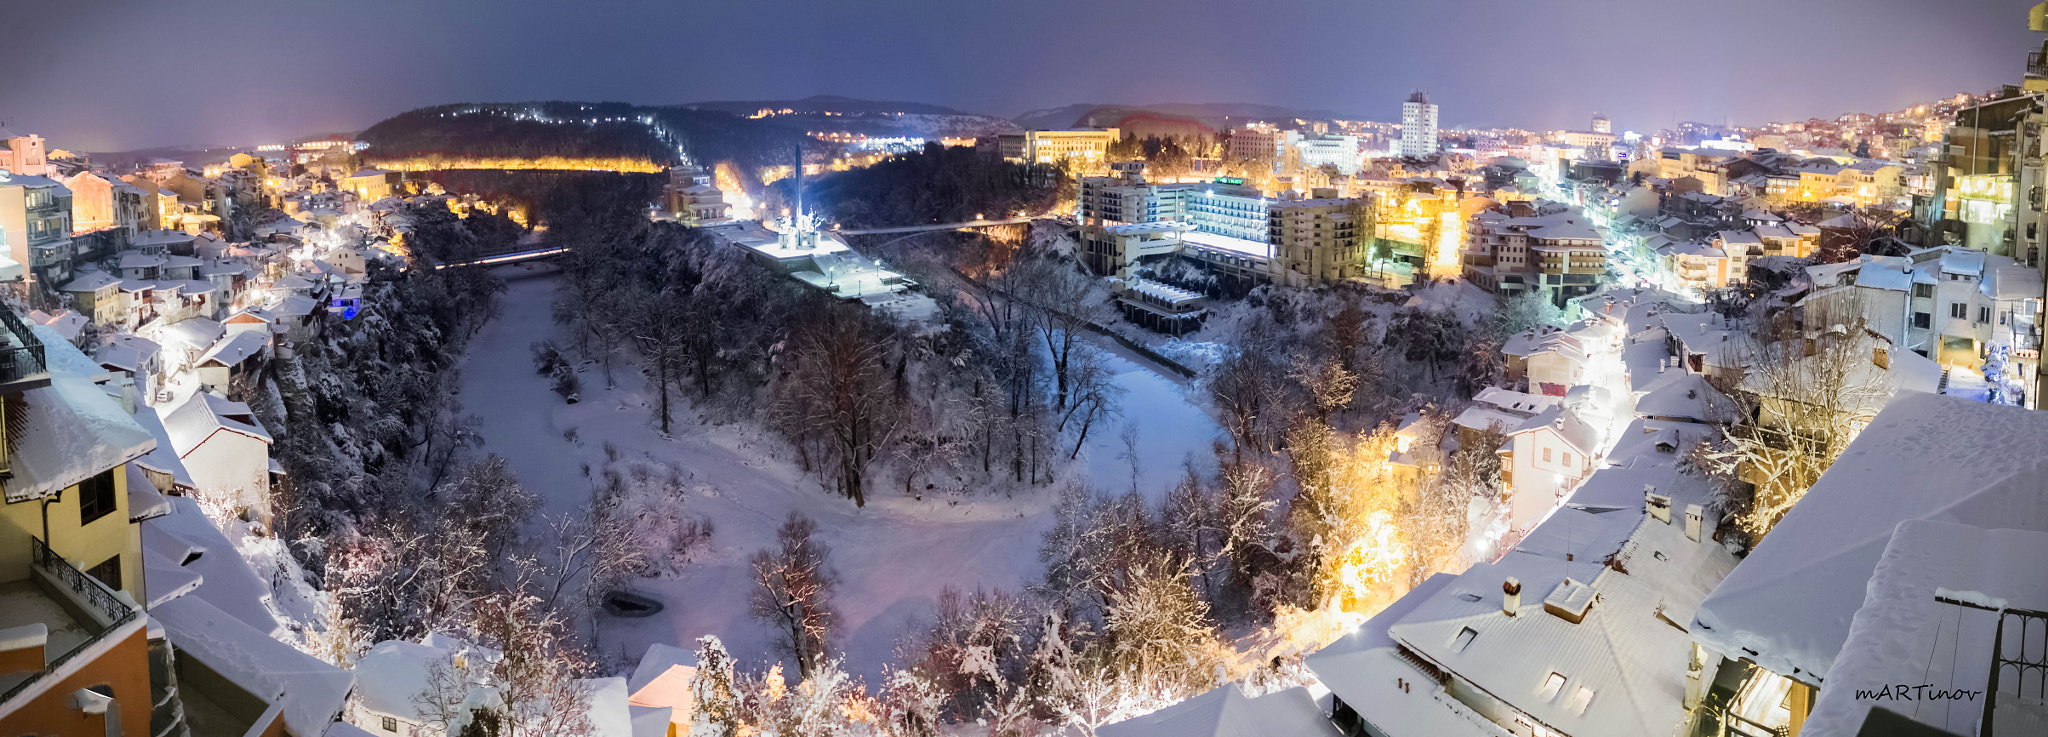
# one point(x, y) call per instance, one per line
point(1942, 388)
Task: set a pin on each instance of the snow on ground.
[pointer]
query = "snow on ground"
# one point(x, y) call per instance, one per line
point(893, 557)
point(1470, 303)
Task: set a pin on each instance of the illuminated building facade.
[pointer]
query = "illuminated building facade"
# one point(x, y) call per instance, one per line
point(692, 197)
point(1515, 250)
point(23, 154)
point(35, 216)
point(1085, 148)
point(1227, 227)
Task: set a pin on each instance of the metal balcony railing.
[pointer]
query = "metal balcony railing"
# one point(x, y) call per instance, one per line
point(21, 354)
point(89, 592)
point(2019, 662)
point(2037, 64)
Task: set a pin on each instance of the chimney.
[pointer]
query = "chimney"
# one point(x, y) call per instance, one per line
point(1695, 680)
point(1659, 505)
point(128, 395)
point(1697, 527)
point(1511, 596)
point(21, 648)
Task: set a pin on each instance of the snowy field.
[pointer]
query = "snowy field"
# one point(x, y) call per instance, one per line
point(893, 557)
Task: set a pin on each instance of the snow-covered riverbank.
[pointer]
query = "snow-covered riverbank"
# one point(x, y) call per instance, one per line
point(893, 557)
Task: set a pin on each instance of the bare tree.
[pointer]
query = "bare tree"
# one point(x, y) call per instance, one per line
point(1809, 386)
point(1095, 395)
point(793, 589)
point(663, 328)
point(597, 547)
point(1066, 303)
point(539, 671)
point(840, 395)
point(1859, 231)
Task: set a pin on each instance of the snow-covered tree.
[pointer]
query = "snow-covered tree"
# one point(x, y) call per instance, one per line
point(715, 694)
point(793, 588)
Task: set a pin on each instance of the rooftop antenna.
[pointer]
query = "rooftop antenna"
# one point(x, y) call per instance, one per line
point(796, 214)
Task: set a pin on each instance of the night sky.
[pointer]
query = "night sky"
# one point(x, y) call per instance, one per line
point(104, 75)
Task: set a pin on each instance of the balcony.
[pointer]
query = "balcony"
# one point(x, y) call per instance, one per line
point(74, 609)
point(21, 356)
point(50, 253)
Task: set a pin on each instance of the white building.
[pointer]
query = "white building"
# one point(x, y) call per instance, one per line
point(1418, 126)
point(224, 446)
point(1342, 152)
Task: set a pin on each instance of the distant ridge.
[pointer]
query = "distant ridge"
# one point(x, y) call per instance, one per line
point(823, 103)
point(1214, 114)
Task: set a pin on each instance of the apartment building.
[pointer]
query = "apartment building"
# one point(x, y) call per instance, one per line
point(35, 219)
point(1224, 226)
point(1319, 241)
point(1709, 166)
point(1558, 253)
point(75, 659)
point(23, 154)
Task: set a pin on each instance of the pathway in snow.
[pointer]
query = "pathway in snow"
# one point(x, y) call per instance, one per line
point(893, 557)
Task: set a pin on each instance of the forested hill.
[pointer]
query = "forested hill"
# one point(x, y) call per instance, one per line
point(614, 136)
point(585, 133)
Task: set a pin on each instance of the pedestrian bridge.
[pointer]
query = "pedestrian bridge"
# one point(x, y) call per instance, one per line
point(526, 250)
point(962, 225)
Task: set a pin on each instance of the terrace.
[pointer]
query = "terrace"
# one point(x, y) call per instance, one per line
point(51, 621)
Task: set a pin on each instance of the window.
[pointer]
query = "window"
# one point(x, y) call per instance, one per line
point(1923, 290)
point(96, 497)
point(391, 724)
point(1959, 310)
point(1580, 699)
point(1922, 320)
point(1463, 640)
point(1551, 686)
point(1983, 314)
point(108, 572)
point(1568, 460)
point(1546, 455)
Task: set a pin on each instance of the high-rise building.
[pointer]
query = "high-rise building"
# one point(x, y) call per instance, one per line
point(1418, 126)
point(1601, 124)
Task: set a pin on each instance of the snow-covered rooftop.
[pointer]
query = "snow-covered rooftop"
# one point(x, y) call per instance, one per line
point(1162, 292)
point(1788, 607)
point(193, 545)
point(1902, 634)
point(237, 347)
point(663, 680)
point(308, 692)
point(1256, 249)
point(1227, 712)
point(71, 429)
point(1366, 670)
point(205, 414)
point(164, 457)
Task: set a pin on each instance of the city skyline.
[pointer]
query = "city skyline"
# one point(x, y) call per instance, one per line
point(317, 70)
